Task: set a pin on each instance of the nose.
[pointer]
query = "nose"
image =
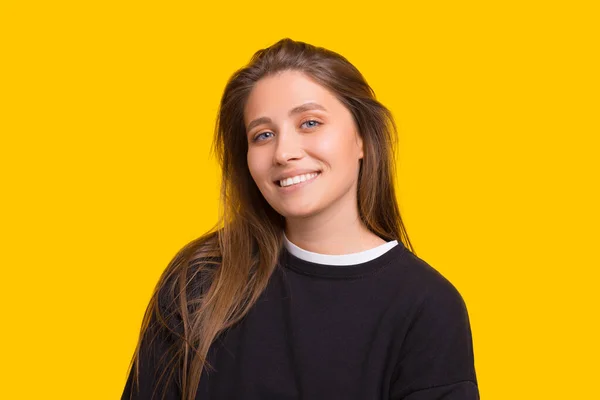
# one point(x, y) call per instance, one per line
point(288, 146)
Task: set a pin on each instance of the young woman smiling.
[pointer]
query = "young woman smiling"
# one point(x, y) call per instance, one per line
point(308, 287)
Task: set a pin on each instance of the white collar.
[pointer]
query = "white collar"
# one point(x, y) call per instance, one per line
point(342, 259)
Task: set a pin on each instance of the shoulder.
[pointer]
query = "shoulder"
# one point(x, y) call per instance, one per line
point(194, 275)
point(425, 288)
point(433, 333)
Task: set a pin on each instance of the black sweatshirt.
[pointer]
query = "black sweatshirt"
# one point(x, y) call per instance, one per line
point(389, 328)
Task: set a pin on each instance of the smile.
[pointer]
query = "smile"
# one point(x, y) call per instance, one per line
point(297, 179)
point(297, 182)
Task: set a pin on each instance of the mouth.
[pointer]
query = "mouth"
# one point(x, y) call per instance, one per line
point(290, 185)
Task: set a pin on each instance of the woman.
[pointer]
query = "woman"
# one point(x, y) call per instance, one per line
point(306, 288)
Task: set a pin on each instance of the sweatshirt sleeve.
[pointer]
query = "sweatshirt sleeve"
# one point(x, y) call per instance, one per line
point(158, 367)
point(436, 358)
point(155, 365)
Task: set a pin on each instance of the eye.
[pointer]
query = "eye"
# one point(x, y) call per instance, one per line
point(256, 138)
point(314, 124)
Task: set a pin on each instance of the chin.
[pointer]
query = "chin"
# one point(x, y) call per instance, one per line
point(298, 215)
point(298, 212)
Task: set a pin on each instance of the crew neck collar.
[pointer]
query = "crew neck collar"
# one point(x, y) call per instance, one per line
point(356, 270)
point(338, 259)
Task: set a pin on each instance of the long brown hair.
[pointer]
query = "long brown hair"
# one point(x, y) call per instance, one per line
point(213, 281)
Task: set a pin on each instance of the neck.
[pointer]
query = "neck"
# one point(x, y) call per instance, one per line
point(338, 231)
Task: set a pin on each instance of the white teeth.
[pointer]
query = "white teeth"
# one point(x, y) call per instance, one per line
point(297, 179)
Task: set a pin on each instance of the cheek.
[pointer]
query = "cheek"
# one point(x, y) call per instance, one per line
point(251, 164)
point(256, 166)
point(335, 147)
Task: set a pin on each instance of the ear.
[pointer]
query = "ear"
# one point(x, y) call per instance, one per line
point(360, 145)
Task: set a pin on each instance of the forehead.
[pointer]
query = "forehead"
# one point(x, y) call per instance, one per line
point(275, 95)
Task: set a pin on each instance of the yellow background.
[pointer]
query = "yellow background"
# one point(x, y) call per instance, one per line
point(107, 116)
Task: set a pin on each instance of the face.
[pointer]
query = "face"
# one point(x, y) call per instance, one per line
point(297, 128)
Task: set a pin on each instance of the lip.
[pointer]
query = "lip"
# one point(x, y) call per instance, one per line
point(297, 186)
point(295, 172)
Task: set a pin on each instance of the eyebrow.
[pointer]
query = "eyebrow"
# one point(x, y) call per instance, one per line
point(293, 111)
